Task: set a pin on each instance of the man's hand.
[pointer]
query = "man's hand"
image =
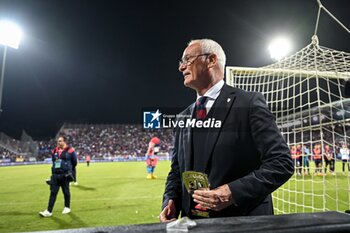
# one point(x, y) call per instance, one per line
point(169, 212)
point(215, 199)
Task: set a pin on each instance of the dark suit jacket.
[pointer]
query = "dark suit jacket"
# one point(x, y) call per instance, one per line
point(248, 153)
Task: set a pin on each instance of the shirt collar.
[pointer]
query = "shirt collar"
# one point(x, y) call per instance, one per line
point(214, 91)
point(58, 148)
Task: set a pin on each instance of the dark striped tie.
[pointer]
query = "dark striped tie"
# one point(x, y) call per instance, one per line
point(201, 110)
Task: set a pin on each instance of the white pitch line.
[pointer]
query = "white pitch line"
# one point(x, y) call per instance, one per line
point(85, 200)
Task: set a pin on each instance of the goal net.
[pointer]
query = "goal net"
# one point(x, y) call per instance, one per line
point(305, 92)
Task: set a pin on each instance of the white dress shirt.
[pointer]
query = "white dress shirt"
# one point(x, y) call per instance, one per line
point(212, 94)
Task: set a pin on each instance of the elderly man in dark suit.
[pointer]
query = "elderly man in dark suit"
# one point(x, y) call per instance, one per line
point(245, 159)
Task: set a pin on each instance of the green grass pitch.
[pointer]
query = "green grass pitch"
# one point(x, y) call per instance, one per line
point(314, 193)
point(108, 194)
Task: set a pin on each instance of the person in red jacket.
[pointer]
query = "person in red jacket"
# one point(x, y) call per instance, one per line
point(151, 157)
point(328, 159)
point(295, 151)
point(64, 160)
point(317, 151)
point(87, 159)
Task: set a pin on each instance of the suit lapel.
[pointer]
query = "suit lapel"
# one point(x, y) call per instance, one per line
point(187, 142)
point(220, 109)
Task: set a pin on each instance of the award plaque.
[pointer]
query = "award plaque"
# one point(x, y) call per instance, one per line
point(193, 181)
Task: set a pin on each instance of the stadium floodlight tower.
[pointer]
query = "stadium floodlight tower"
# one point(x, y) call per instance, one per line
point(10, 36)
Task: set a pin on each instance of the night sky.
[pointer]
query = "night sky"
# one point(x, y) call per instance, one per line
point(103, 61)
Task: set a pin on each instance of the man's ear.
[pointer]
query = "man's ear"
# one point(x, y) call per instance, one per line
point(213, 60)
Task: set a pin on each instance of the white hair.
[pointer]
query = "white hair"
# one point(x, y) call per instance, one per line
point(211, 46)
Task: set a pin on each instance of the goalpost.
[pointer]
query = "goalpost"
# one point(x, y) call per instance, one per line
point(305, 93)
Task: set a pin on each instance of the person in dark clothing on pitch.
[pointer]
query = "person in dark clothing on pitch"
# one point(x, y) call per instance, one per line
point(64, 161)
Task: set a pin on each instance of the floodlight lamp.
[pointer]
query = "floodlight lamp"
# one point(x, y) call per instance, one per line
point(10, 34)
point(279, 48)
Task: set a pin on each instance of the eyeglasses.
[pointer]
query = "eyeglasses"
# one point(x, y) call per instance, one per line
point(187, 62)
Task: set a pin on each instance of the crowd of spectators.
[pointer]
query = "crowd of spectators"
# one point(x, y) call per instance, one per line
point(334, 136)
point(109, 141)
point(11, 144)
point(7, 155)
point(131, 140)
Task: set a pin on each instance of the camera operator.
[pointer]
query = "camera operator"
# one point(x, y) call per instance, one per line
point(64, 161)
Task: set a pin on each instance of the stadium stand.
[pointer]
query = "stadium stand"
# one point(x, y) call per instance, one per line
point(110, 141)
point(100, 141)
point(7, 156)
